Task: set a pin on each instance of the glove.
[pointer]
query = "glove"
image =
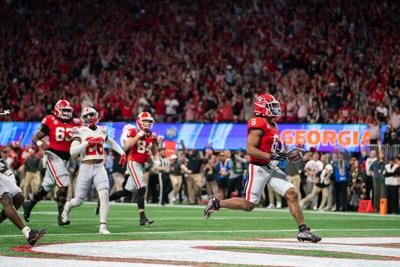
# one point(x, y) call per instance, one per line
point(122, 160)
point(281, 155)
point(95, 140)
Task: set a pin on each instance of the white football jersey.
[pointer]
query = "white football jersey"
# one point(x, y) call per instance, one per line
point(92, 151)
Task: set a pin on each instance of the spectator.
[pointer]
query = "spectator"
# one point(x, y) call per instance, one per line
point(392, 184)
point(341, 173)
point(171, 105)
point(224, 169)
point(31, 181)
point(377, 169)
point(312, 169)
point(357, 185)
point(210, 172)
point(195, 179)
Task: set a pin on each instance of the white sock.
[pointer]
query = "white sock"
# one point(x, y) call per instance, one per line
point(26, 231)
point(75, 202)
point(104, 205)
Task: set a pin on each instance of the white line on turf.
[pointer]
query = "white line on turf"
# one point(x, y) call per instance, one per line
point(140, 232)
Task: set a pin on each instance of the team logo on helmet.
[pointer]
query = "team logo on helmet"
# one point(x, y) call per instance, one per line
point(89, 116)
point(266, 105)
point(63, 109)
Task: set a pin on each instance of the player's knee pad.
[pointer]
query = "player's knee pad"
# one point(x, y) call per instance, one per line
point(61, 195)
point(40, 194)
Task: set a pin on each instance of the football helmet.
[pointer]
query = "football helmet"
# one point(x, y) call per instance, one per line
point(145, 121)
point(266, 105)
point(63, 110)
point(89, 116)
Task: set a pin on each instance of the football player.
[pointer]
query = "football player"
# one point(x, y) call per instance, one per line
point(58, 128)
point(141, 142)
point(88, 141)
point(265, 152)
point(11, 199)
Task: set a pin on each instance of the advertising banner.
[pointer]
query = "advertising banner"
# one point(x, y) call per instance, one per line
point(324, 137)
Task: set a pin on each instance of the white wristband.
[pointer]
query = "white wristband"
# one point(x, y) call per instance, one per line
point(39, 142)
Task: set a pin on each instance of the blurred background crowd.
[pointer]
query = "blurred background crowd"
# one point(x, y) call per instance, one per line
point(325, 61)
point(335, 181)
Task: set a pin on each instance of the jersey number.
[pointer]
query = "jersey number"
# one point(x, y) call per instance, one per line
point(142, 148)
point(63, 134)
point(94, 149)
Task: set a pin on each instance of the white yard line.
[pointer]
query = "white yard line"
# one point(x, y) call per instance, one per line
point(141, 232)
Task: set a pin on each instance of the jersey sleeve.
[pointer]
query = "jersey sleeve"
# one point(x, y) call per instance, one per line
point(131, 133)
point(256, 123)
point(47, 123)
point(75, 132)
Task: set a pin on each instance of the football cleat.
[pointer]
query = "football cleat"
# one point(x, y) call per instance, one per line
point(145, 221)
point(27, 206)
point(309, 236)
point(35, 235)
point(64, 219)
point(212, 206)
point(103, 229)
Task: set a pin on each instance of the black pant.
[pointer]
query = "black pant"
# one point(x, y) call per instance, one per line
point(341, 195)
point(152, 194)
point(368, 187)
point(392, 196)
point(165, 188)
point(235, 184)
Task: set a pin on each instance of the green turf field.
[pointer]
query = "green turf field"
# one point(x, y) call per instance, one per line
point(187, 222)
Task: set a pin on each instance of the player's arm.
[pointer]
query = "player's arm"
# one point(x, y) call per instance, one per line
point(253, 142)
point(77, 146)
point(40, 134)
point(131, 141)
point(114, 146)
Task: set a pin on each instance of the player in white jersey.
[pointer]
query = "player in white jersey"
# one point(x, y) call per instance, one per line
point(88, 142)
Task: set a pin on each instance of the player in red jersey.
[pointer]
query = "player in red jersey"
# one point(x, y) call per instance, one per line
point(265, 151)
point(58, 128)
point(141, 143)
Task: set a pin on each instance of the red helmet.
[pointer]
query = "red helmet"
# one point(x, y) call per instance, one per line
point(145, 121)
point(89, 116)
point(265, 105)
point(63, 109)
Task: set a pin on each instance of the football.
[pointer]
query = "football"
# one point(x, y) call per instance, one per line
point(296, 155)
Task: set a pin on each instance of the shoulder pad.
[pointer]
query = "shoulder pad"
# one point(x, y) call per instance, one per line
point(48, 119)
point(131, 132)
point(256, 123)
point(77, 121)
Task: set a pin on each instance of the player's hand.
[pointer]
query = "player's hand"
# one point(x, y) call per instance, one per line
point(122, 160)
point(281, 155)
point(42, 145)
point(141, 133)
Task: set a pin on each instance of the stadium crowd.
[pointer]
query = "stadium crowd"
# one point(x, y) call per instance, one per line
point(326, 61)
point(334, 181)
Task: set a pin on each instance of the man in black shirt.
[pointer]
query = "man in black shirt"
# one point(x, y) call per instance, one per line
point(31, 181)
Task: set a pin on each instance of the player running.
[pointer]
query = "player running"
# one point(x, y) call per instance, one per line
point(265, 151)
point(88, 142)
point(140, 143)
point(11, 198)
point(58, 128)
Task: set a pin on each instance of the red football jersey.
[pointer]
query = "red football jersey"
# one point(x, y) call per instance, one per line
point(269, 140)
point(59, 132)
point(140, 152)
